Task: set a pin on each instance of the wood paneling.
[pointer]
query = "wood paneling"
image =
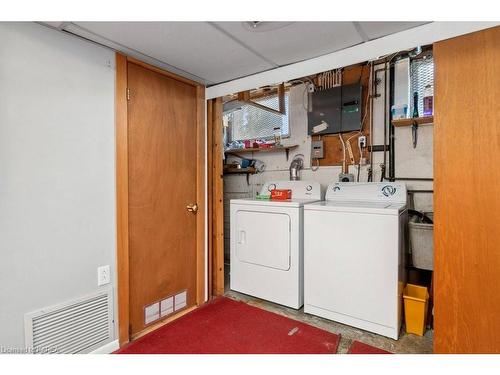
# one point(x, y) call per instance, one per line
point(165, 73)
point(210, 184)
point(122, 197)
point(200, 194)
point(218, 199)
point(332, 144)
point(467, 194)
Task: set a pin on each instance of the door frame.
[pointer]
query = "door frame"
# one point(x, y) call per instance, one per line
point(215, 201)
point(122, 192)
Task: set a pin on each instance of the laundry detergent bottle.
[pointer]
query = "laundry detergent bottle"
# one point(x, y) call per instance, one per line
point(428, 100)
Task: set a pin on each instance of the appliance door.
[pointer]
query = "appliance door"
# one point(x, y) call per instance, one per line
point(263, 239)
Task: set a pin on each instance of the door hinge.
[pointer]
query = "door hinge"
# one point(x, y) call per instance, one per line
point(128, 94)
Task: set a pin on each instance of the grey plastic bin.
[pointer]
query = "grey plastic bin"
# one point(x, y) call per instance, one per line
point(422, 244)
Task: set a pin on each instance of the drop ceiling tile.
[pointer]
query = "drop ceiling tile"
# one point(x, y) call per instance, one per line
point(378, 29)
point(194, 47)
point(294, 41)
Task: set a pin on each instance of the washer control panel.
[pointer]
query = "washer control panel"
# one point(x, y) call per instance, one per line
point(367, 191)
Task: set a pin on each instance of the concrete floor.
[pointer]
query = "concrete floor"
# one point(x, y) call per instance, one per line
point(407, 343)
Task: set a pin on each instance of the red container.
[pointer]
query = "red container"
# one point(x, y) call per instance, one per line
point(281, 194)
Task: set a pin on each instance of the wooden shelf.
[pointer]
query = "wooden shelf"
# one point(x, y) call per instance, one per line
point(410, 121)
point(240, 151)
point(233, 170)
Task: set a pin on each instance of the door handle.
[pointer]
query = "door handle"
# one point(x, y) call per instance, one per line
point(193, 207)
point(242, 237)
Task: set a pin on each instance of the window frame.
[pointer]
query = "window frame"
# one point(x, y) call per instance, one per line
point(270, 137)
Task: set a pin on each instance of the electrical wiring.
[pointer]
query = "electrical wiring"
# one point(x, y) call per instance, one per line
point(305, 90)
point(344, 167)
point(315, 168)
point(360, 132)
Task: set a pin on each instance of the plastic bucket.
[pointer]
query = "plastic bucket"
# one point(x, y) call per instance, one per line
point(416, 299)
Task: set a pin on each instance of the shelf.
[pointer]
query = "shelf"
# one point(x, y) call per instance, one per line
point(410, 121)
point(233, 170)
point(240, 151)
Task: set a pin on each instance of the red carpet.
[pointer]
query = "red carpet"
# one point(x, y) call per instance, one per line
point(360, 348)
point(225, 326)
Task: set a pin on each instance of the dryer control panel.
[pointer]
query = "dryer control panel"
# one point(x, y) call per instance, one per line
point(300, 189)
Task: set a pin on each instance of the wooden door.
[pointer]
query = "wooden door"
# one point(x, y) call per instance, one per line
point(162, 181)
point(467, 194)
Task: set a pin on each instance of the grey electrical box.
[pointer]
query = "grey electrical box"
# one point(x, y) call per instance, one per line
point(317, 150)
point(336, 110)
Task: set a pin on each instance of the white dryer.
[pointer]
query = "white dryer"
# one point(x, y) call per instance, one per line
point(267, 243)
point(354, 251)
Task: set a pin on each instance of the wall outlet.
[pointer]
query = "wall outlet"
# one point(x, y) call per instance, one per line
point(362, 141)
point(103, 275)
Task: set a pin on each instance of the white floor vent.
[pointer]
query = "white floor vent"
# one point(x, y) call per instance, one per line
point(78, 326)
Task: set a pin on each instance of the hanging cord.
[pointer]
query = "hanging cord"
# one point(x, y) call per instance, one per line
point(359, 162)
point(382, 171)
point(316, 167)
point(344, 166)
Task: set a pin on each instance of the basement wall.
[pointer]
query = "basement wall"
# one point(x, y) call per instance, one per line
point(57, 168)
point(409, 162)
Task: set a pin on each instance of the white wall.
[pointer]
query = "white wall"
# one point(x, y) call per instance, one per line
point(57, 186)
point(409, 162)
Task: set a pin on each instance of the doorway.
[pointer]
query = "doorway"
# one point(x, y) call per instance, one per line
point(160, 188)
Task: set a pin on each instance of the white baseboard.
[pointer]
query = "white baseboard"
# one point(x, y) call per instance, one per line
point(110, 347)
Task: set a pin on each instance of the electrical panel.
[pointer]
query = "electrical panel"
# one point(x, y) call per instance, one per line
point(336, 110)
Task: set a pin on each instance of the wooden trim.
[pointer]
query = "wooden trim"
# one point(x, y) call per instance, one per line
point(122, 255)
point(210, 182)
point(218, 199)
point(200, 193)
point(281, 99)
point(165, 73)
point(121, 134)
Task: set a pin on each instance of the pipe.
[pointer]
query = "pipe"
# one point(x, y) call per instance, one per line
point(392, 156)
point(295, 166)
point(385, 122)
point(371, 80)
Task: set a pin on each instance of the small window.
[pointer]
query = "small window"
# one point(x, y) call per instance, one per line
point(250, 122)
point(421, 75)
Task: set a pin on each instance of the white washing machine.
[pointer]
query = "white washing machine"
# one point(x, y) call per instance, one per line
point(267, 243)
point(354, 251)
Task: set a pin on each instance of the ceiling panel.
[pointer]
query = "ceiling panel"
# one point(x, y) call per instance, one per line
point(294, 41)
point(374, 30)
point(195, 47)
